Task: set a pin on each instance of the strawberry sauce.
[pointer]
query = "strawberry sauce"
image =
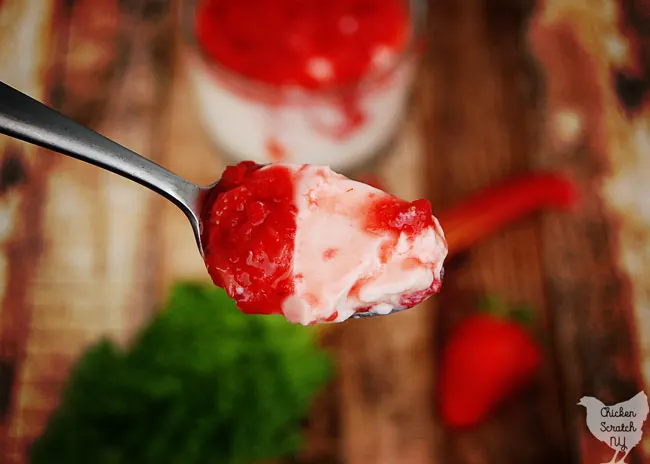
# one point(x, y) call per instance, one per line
point(249, 236)
point(394, 217)
point(307, 43)
point(397, 216)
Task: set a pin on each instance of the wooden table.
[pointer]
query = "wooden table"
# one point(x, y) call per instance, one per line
point(84, 253)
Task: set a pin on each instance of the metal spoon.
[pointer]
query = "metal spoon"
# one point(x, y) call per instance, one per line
point(26, 119)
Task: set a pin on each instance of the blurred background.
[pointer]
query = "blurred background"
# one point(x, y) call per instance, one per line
point(527, 126)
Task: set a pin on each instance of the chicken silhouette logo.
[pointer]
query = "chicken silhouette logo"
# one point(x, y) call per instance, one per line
point(618, 426)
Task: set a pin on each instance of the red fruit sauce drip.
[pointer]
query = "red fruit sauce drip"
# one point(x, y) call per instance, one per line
point(276, 151)
point(250, 226)
point(397, 216)
point(412, 299)
point(392, 216)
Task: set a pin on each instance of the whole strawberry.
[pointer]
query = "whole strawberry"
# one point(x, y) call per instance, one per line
point(487, 359)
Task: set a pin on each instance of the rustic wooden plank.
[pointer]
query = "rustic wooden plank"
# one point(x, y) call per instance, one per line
point(595, 269)
point(387, 364)
point(98, 246)
point(340, 433)
point(26, 26)
point(483, 123)
point(189, 153)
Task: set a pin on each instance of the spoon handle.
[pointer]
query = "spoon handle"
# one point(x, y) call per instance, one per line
point(26, 119)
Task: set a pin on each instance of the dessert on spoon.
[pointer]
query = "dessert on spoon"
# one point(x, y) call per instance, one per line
point(297, 240)
point(306, 242)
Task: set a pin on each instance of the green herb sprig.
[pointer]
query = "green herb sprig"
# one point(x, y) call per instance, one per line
point(201, 383)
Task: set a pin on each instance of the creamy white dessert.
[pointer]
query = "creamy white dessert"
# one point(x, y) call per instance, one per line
point(337, 262)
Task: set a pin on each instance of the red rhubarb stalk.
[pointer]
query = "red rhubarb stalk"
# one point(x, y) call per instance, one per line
point(496, 207)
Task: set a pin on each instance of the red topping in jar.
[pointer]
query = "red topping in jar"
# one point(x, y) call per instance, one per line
point(306, 43)
point(249, 234)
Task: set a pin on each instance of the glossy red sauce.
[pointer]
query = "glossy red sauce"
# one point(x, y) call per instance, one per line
point(397, 216)
point(392, 216)
point(306, 43)
point(248, 239)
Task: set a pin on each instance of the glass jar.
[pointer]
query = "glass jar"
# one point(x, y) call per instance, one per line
point(343, 125)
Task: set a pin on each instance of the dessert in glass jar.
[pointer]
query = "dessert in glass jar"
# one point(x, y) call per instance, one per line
point(302, 81)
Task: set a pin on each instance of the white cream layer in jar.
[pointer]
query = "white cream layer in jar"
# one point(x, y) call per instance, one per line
point(305, 128)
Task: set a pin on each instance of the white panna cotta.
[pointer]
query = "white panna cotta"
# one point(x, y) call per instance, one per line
point(313, 130)
point(341, 265)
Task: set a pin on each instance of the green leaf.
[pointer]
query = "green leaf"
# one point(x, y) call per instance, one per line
point(493, 305)
point(201, 383)
point(523, 314)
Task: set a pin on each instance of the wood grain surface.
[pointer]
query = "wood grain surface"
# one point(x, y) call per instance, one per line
point(601, 326)
point(22, 25)
point(484, 130)
point(506, 87)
